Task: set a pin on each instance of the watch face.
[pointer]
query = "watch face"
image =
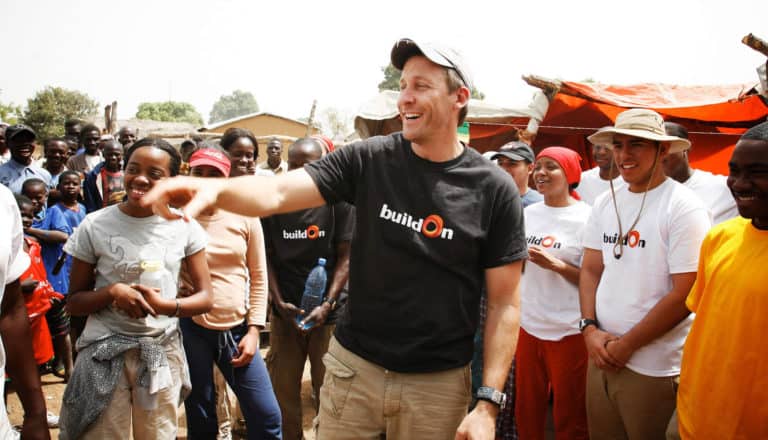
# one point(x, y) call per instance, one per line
point(493, 395)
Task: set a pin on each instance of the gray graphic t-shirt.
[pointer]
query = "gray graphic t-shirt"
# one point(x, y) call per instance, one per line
point(133, 250)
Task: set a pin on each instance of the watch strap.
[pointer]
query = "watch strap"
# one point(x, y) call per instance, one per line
point(492, 395)
point(331, 301)
point(586, 322)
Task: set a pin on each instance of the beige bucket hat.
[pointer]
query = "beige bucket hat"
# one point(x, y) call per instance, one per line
point(642, 123)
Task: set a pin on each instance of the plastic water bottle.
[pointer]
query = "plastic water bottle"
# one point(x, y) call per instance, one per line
point(314, 291)
point(152, 275)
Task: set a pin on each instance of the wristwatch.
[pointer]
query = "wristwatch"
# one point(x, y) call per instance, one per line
point(332, 302)
point(492, 395)
point(586, 322)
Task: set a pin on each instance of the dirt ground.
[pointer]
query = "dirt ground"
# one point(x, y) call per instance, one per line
point(53, 388)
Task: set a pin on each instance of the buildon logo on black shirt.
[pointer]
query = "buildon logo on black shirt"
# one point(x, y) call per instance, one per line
point(431, 227)
point(312, 232)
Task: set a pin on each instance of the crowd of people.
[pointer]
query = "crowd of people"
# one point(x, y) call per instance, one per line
point(467, 294)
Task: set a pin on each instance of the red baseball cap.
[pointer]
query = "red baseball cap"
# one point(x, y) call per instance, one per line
point(211, 157)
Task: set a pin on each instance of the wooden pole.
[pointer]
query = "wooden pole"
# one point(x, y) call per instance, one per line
point(311, 118)
point(107, 121)
point(113, 118)
point(756, 43)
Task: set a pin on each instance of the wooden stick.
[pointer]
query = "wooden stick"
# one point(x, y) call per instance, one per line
point(756, 43)
point(106, 119)
point(113, 118)
point(311, 118)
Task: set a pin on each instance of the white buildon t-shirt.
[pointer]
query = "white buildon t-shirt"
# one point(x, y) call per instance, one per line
point(665, 241)
point(550, 303)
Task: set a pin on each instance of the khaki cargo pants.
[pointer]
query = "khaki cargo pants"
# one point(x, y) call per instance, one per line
point(360, 400)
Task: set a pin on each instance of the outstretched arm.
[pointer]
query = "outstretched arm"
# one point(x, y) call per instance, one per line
point(47, 236)
point(252, 196)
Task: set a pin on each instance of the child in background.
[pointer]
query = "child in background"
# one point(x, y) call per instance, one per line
point(50, 231)
point(70, 213)
point(37, 294)
point(131, 373)
point(104, 185)
point(37, 191)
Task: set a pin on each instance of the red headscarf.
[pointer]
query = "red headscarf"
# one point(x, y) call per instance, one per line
point(568, 161)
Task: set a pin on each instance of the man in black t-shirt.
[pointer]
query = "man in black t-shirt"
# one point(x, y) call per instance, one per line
point(434, 223)
point(295, 241)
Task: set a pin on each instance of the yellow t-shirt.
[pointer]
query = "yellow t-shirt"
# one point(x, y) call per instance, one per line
point(724, 376)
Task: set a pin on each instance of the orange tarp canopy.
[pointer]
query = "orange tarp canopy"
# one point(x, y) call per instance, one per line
point(715, 116)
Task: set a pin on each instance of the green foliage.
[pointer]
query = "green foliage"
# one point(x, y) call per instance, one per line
point(50, 107)
point(10, 113)
point(239, 103)
point(391, 81)
point(169, 111)
point(477, 94)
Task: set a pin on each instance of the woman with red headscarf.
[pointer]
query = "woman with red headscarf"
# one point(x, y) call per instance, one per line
point(551, 356)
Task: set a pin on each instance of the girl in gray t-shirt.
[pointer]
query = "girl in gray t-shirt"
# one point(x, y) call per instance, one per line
point(125, 268)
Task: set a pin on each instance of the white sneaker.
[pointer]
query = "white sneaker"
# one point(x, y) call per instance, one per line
point(53, 420)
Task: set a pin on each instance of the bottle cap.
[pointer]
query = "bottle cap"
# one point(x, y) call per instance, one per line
point(321, 261)
point(151, 265)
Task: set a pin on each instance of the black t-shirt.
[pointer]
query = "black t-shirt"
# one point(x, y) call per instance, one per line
point(425, 232)
point(295, 241)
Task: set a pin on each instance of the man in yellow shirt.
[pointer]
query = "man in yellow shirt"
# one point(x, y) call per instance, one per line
point(724, 377)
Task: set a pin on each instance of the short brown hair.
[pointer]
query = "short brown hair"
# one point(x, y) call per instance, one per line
point(454, 83)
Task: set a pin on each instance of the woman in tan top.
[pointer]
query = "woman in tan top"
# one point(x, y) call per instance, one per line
point(228, 335)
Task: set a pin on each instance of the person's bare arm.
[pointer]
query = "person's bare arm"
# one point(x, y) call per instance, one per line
point(591, 271)
point(664, 316)
point(285, 309)
point(20, 362)
point(340, 274)
point(594, 337)
point(502, 326)
point(252, 196)
point(537, 255)
point(47, 236)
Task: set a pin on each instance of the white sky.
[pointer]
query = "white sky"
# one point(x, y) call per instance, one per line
point(288, 53)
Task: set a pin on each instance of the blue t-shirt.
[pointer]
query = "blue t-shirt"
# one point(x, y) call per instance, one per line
point(60, 218)
point(530, 197)
point(13, 174)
